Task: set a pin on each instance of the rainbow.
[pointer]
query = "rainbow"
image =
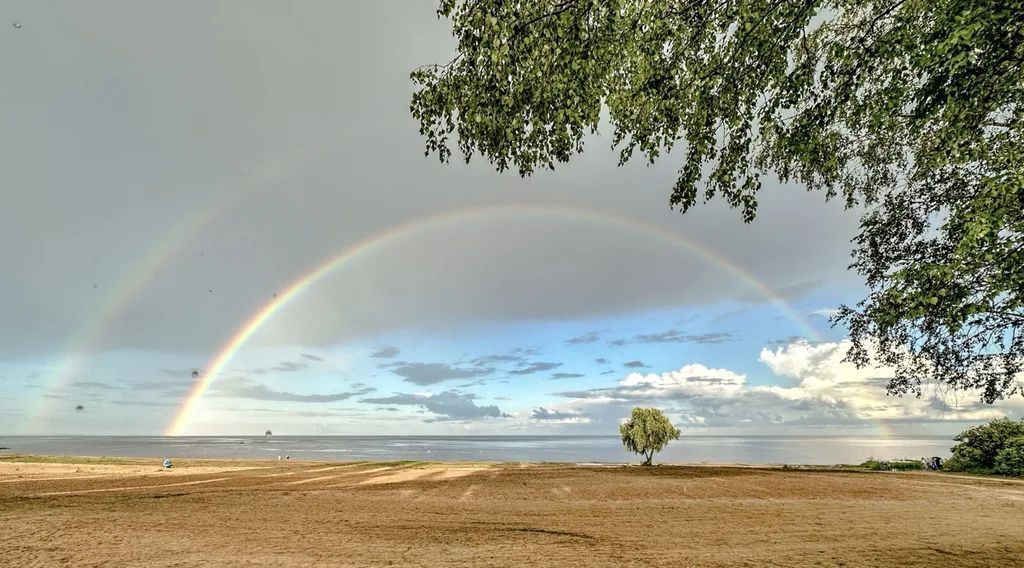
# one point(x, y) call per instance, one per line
point(381, 240)
point(172, 243)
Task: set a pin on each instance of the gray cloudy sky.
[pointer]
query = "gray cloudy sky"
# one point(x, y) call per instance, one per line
point(169, 167)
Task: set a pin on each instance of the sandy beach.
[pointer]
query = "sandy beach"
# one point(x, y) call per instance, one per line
point(106, 512)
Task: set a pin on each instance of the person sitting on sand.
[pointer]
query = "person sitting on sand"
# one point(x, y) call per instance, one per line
point(167, 463)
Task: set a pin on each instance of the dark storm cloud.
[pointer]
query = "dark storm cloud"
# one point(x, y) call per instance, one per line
point(386, 353)
point(567, 375)
point(535, 367)
point(312, 357)
point(243, 388)
point(252, 187)
point(447, 405)
point(432, 373)
point(674, 336)
point(589, 337)
point(636, 365)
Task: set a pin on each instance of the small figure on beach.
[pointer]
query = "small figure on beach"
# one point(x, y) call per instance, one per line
point(167, 463)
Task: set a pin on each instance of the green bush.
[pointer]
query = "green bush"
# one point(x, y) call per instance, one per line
point(1010, 461)
point(957, 464)
point(898, 465)
point(980, 447)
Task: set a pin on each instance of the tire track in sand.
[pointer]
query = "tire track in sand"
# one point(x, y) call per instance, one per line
point(130, 488)
point(472, 488)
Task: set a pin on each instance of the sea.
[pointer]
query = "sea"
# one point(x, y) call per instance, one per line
point(795, 450)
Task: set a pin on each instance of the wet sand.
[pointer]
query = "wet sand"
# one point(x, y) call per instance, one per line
point(102, 512)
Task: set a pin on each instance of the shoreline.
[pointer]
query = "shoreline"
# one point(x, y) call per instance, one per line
point(185, 460)
point(794, 451)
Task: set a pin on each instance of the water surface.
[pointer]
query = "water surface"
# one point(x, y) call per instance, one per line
point(689, 449)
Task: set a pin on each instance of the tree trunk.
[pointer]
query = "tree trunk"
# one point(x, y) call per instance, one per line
point(648, 457)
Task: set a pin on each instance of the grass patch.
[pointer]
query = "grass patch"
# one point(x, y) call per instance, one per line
point(75, 460)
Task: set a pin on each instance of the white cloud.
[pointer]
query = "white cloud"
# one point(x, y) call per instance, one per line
point(822, 390)
point(827, 313)
point(823, 375)
point(797, 359)
point(694, 420)
point(690, 380)
point(555, 416)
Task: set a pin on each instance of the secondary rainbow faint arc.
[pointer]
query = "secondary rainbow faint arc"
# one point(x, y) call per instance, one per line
point(148, 265)
point(380, 240)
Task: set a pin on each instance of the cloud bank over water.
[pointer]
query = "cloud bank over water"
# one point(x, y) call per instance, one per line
point(822, 390)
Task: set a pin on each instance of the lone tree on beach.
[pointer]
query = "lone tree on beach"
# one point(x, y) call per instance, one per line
point(910, 110)
point(647, 432)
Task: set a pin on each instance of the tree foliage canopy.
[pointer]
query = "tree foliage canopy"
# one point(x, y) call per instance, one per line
point(647, 431)
point(996, 447)
point(911, 109)
point(1010, 460)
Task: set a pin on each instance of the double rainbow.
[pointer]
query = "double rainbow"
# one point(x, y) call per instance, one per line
point(384, 239)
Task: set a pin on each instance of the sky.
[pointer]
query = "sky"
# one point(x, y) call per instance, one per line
point(220, 220)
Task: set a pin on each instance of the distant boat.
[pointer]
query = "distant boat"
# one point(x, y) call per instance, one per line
point(80, 407)
point(269, 434)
